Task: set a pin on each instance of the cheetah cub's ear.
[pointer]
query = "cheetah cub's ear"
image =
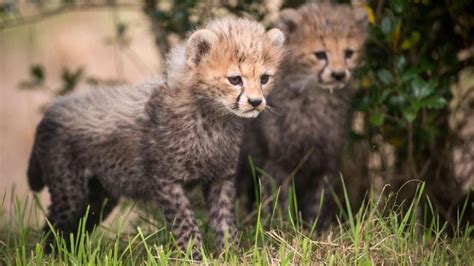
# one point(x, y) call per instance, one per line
point(198, 45)
point(361, 16)
point(359, 13)
point(288, 20)
point(276, 36)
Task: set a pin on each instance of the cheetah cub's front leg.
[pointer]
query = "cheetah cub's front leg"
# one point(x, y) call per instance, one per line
point(220, 198)
point(179, 216)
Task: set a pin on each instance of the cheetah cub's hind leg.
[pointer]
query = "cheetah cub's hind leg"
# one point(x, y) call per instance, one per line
point(318, 205)
point(69, 196)
point(276, 179)
point(69, 202)
point(101, 204)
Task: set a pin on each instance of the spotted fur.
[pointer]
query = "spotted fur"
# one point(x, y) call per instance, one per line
point(312, 105)
point(151, 142)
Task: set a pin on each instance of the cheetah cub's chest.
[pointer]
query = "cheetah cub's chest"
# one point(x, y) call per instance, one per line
point(227, 138)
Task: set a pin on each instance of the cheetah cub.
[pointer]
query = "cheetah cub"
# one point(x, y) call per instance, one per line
point(312, 103)
point(153, 141)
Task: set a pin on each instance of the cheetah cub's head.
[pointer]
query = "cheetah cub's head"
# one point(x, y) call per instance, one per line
point(324, 42)
point(229, 64)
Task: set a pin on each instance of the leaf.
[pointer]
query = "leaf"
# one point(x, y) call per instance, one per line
point(415, 37)
point(428, 65)
point(409, 74)
point(37, 78)
point(434, 102)
point(121, 29)
point(386, 25)
point(370, 13)
point(365, 82)
point(5, 8)
point(377, 119)
point(385, 76)
point(398, 5)
point(411, 41)
point(395, 36)
point(70, 80)
point(406, 44)
point(384, 96)
point(396, 141)
point(397, 100)
point(409, 115)
point(37, 72)
point(422, 88)
point(400, 62)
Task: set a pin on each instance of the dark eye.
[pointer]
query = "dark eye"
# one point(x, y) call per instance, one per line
point(235, 80)
point(321, 55)
point(348, 53)
point(264, 78)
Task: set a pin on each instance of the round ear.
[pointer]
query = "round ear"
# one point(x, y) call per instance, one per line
point(276, 36)
point(288, 20)
point(198, 45)
point(361, 16)
point(358, 3)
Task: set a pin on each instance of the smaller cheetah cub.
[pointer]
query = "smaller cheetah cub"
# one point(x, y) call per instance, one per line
point(153, 141)
point(312, 100)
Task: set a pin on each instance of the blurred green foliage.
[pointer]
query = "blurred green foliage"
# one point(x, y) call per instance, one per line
point(411, 61)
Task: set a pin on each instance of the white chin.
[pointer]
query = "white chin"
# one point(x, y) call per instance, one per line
point(334, 86)
point(251, 114)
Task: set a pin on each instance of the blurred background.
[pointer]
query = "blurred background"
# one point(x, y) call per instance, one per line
point(414, 118)
point(57, 54)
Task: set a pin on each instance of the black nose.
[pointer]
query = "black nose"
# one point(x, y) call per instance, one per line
point(338, 75)
point(255, 102)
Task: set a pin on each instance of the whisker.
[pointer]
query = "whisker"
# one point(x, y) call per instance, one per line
point(271, 110)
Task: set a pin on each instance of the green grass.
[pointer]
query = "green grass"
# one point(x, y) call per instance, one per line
point(377, 233)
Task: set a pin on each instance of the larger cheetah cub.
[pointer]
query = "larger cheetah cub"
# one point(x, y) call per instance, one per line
point(153, 141)
point(312, 103)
